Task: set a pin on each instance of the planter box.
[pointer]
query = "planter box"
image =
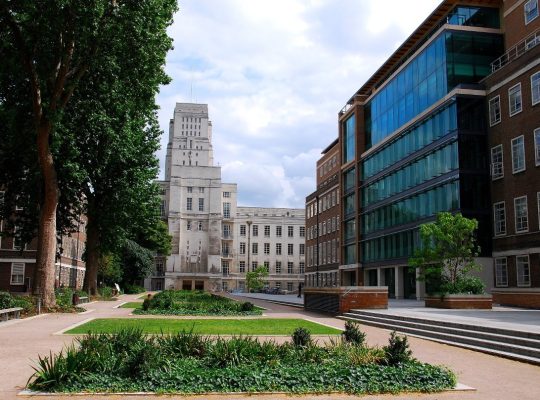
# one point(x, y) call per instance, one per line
point(338, 300)
point(460, 301)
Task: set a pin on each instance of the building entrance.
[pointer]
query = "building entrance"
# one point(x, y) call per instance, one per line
point(390, 281)
point(409, 283)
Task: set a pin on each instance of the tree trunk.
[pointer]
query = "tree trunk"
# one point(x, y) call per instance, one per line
point(93, 255)
point(45, 268)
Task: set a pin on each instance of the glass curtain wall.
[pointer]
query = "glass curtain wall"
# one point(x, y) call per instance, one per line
point(349, 147)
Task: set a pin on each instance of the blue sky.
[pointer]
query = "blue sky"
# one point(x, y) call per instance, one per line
point(274, 74)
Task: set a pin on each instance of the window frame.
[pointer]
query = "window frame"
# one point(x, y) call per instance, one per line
point(497, 283)
point(498, 102)
point(525, 15)
point(501, 175)
point(516, 199)
point(503, 232)
point(536, 147)
point(528, 284)
point(516, 111)
point(533, 102)
point(11, 282)
point(516, 171)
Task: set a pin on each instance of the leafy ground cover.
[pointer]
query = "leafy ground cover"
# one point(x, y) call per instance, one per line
point(129, 361)
point(258, 326)
point(187, 302)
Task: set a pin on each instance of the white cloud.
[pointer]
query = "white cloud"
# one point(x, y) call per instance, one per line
point(275, 73)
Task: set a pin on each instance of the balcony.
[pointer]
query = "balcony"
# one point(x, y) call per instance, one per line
point(159, 273)
point(226, 236)
point(226, 254)
point(517, 51)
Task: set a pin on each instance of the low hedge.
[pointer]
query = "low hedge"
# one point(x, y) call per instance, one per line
point(187, 363)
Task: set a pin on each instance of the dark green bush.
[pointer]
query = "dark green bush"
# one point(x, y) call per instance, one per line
point(25, 302)
point(134, 289)
point(64, 297)
point(6, 300)
point(106, 292)
point(247, 306)
point(146, 304)
point(301, 337)
point(353, 334)
point(397, 352)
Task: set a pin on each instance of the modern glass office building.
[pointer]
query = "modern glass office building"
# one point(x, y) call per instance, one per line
point(420, 144)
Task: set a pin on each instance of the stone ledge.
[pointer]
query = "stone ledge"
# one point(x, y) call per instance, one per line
point(460, 301)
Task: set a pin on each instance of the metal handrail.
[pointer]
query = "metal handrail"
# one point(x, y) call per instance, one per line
point(517, 51)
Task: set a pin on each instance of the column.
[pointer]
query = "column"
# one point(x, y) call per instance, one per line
point(380, 277)
point(399, 282)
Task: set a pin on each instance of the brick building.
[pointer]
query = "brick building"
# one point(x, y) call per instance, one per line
point(513, 104)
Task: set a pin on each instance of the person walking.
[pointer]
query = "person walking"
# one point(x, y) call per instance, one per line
point(299, 289)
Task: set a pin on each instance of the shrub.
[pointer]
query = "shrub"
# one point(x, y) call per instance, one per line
point(247, 306)
point(146, 304)
point(184, 344)
point(25, 302)
point(397, 352)
point(357, 355)
point(64, 297)
point(134, 289)
point(106, 292)
point(353, 334)
point(6, 300)
point(301, 337)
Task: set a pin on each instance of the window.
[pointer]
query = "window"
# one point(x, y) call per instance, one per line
point(242, 267)
point(289, 286)
point(302, 249)
point(278, 267)
point(17, 241)
point(302, 231)
point(290, 268)
point(302, 267)
point(189, 189)
point(17, 274)
point(267, 266)
point(523, 273)
point(227, 194)
point(242, 230)
point(494, 110)
point(255, 230)
point(501, 272)
point(290, 249)
point(514, 99)
point(226, 210)
point(531, 10)
point(201, 190)
point(161, 208)
point(537, 146)
point(267, 230)
point(255, 248)
point(200, 227)
point(267, 248)
point(290, 231)
point(188, 226)
point(189, 205)
point(1, 199)
point(201, 204)
point(499, 216)
point(242, 248)
point(278, 231)
point(278, 249)
point(521, 214)
point(497, 166)
point(518, 154)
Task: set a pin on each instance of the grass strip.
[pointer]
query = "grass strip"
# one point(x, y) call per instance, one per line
point(259, 326)
point(132, 304)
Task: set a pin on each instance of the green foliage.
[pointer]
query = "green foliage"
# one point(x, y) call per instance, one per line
point(189, 363)
point(27, 303)
point(247, 306)
point(146, 305)
point(137, 262)
point(464, 284)
point(397, 351)
point(64, 297)
point(6, 300)
point(447, 253)
point(353, 334)
point(106, 292)
point(186, 302)
point(133, 289)
point(301, 337)
point(255, 280)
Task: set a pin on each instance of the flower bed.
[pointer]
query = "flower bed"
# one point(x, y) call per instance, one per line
point(187, 363)
point(186, 302)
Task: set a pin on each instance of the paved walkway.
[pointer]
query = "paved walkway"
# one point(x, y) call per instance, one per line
point(494, 378)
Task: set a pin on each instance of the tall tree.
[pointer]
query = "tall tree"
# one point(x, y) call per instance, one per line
point(50, 46)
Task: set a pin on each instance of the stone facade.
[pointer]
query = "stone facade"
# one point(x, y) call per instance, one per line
point(205, 222)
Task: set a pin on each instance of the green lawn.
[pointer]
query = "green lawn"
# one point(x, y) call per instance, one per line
point(260, 326)
point(133, 304)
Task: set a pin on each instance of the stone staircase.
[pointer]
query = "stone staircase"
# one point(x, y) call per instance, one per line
point(516, 345)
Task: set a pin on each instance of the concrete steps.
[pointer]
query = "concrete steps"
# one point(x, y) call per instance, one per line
point(517, 345)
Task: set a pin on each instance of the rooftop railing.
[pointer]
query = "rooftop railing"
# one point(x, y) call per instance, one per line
point(517, 51)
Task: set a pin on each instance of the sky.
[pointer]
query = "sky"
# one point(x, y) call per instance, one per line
point(275, 74)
